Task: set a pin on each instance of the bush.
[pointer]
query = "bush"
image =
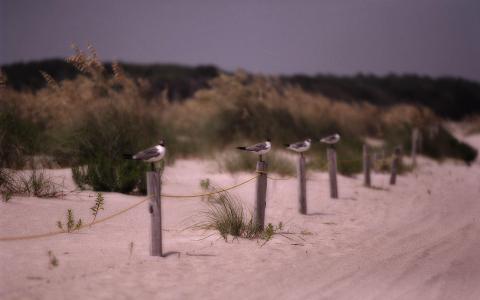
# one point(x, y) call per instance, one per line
point(99, 144)
point(437, 144)
point(18, 136)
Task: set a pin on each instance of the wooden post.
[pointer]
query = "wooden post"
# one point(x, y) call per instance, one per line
point(261, 194)
point(414, 146)
point(395, 166)
point(302, 185)
point(366, 165)
point(154, 188)
point(332, 171)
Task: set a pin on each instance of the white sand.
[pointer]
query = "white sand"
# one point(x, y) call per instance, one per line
point(419, 239)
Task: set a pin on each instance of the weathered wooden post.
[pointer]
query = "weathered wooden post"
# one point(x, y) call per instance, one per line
point(261, 194)
point(366, 165)
point(154, 188)
point(302, 185)
point(332, 171)
point(414, 145)
point(395, 166)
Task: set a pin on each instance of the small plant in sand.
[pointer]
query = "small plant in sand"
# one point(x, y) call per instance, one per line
point(97, 207)
point(130, 249)
point(7, 185)
point(52, 259)
point(270, 231)
point(70, 225)
point(227, 215)
point(206, 187)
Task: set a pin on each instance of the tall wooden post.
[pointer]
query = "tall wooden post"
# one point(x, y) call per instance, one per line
point(395, 166)
point(302, 185)
point(261, 194)
point(154, 188)
point(366, 165)
point(332, 171)
point(414, 145)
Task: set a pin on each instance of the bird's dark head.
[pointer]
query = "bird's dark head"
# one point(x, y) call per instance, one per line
point(308, 140)
point(161, 143)
point(269, 140)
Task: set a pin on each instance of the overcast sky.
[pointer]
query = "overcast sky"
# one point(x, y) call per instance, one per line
point(432, 37)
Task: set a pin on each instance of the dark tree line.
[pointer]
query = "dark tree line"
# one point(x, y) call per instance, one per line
point(449, 97)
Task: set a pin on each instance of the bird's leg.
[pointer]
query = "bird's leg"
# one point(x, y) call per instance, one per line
point(301, 154)
point(152, 167)
point(260, 157)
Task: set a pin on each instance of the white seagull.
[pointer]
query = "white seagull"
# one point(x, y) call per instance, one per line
point(260, 148)
point(150, 155)
point(300, 146)
point(332, 139)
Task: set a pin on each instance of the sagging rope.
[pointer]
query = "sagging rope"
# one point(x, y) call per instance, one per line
point(210, 193)
point(57, 232)
point(52, 233)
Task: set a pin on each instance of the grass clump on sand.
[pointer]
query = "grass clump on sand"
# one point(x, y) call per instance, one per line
point(227, 215)
point(32, 183)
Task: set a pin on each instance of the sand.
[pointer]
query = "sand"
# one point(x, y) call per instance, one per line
point(419, 239)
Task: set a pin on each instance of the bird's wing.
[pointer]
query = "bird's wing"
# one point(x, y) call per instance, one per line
point(146, 154)
point(257, 147)
point(298, 144)
point(328, 139)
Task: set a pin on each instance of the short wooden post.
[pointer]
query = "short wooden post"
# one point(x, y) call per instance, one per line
point(261, 194)
point(395, 166)
point(332, 171)
point(366, 165)
point(414, 146)
point(154, 188)
point(302, 185)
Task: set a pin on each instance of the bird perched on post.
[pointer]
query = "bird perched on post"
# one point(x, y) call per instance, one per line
point(331, 139)
point(150, 155)
point(260, 148)
point(300, 147)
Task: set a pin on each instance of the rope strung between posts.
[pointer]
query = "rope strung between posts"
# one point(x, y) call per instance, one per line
point(52, 233)
point(210, 193)
point(57, 232)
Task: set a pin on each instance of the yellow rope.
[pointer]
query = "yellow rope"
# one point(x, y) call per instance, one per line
point(210, 193)
point(52, 233)
point(57, 232)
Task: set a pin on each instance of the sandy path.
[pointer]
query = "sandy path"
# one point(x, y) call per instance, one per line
point(417, 240)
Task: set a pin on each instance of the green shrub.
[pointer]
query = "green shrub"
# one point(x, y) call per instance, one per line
point(99, 142)
point(18, 136)
point(440, 145)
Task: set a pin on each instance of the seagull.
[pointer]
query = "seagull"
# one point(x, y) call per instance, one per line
point(300, 146)
point(260, 148)
point(332, 139)
point(150, 155)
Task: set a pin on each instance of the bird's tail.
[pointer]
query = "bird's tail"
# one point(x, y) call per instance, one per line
point(242, 148)
point(127, 156)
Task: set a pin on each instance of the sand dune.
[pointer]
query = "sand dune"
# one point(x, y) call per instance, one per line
point(419, 239)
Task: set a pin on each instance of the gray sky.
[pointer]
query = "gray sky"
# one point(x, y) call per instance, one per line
point(433, 37)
